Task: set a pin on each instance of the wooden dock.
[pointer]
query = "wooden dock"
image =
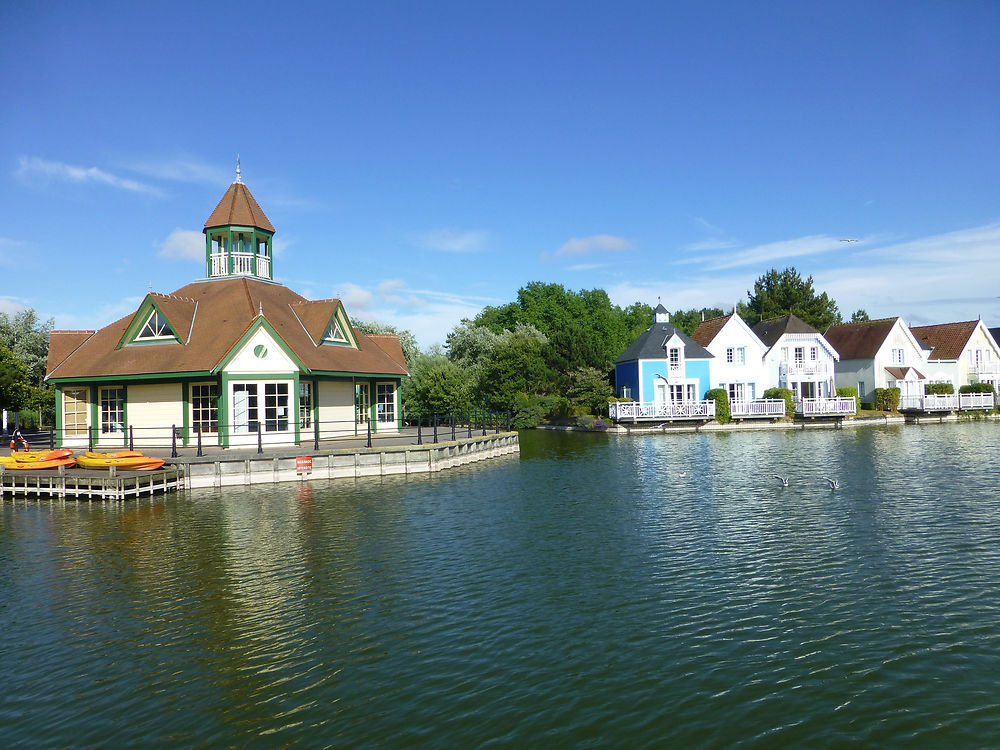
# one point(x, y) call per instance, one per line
point(84, 484)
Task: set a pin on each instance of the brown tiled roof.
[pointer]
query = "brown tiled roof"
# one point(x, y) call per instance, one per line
point(62, 344)
point(772, 329)
point(315, 316)
point(180, 313)
point(707, 330)
point(900, 372)
point(238, 207)
point(859, 340)
point(389, 343)
point(947, 339)
point(226, 309)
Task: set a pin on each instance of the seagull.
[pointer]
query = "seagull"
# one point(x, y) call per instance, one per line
point(783, 480)
point(834, 483)
point(850, 239)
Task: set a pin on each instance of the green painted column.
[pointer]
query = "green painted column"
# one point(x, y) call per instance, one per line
point(229, 254)
point(208, 254)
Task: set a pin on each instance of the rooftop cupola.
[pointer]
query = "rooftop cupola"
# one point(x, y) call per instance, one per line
point(238, 236)
point(661, 314)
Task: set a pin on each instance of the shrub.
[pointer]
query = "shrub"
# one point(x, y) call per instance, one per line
point(939, 389)
point(721, 398)
point(891, 397)
point(880, 399)
point(868, 405)
point(849, 392)
point(977, 388)
point(586, 421)
point(600, 424)
point(787, 395)
point(528, 411)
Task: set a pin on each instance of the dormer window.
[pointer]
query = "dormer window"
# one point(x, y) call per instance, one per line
point(157, 328)
point(674, 357)
point(334, 335)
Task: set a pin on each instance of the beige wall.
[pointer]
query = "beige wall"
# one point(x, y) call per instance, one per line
point(336, 408)
point(152, 409)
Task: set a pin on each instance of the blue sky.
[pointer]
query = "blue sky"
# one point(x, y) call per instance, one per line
point(421, 160)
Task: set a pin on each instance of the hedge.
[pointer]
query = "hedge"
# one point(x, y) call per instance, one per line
point(785, 393)
point(977, 388)
point(939, 389)
point(721, 398)
point(887, 399)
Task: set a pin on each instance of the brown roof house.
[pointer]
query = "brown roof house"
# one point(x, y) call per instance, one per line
point(879, 354)
point(960, 353)
point(234, 356)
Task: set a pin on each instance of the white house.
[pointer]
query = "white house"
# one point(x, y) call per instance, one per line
point(879, 354)
point(960, 353)
point(801, 359)
point(738, 365)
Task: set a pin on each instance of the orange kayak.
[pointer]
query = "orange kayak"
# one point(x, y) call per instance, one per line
point(53, 463)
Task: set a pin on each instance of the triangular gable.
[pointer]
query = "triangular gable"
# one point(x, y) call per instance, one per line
point(160, 320)
point(905, 373)
point(260, 350)
point(323, 320)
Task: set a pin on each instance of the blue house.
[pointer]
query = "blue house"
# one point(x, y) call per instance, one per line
point(665, 373)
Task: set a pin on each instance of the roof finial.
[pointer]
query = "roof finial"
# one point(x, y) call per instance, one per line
point(260, 308)
point(239, 177)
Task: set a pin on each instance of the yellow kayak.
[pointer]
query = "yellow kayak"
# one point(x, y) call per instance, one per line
point(42, 463)
point(31, 457)
point(92, 461)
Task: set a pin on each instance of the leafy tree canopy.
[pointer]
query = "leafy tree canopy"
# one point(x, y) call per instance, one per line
point(14, 387)
point(436, 386)
point(859, 316)
point(778, 293)
point(411, 350)
point(27, 338)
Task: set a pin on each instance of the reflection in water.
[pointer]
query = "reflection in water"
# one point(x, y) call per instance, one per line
point(604, 589)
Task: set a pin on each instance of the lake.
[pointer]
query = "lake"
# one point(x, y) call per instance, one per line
point(600, 591)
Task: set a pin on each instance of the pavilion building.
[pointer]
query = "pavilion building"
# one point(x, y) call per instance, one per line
point(235, 357)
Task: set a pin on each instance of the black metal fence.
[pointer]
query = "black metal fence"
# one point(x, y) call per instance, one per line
point(414, 430)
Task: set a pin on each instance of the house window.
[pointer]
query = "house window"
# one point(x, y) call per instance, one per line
point(813, 353)
point(156, 329)
point(363, 402)
point(800, 355)
point(275, 407)
point(205, 407)
point(784, 354)
point(245, 407)
point(75, 408)
point(730, 355)
point(741, 355)
point(897, 356)
point(385, 402)
point(334, 334)
point(677, 393)
point(674, 357)
point(112, 410)
point(305, 404)
point(861, 388)
point(626, 391)
point(737, 392)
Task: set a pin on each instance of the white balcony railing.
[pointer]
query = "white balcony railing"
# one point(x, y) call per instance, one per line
point(650, 410)
point(838, 406)
point(947, 402)
point(984, 368)
point(804, 369)
point(764, 407)
point(245, 264)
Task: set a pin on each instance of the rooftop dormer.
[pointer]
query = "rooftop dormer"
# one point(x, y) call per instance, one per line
point(238, 236)
point(661, 314)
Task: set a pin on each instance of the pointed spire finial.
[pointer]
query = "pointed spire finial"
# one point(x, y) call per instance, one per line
point(260, 308)
point(239, 177)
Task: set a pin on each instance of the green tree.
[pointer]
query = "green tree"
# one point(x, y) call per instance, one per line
point(516, 365)
point(590, 387)
point(778, 293)
point(687, 320)
point(27, 338)
point(469, 345)
point(436, 386)
point(14, 386)
point(406, 338)
point(859, 316)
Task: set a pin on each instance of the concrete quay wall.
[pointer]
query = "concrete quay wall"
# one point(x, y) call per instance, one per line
point(363, 462)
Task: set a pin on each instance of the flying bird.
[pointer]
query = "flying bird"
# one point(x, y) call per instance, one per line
point(834, 483)
point(783, 480)
point(850, 239)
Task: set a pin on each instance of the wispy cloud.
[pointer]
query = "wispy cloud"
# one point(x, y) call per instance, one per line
point(595, 243)
point(451, 240)
point(587, 266)
point(11, 305)
point(768, 253)
point(183, 244)
point(34, 168)
point(185, 170)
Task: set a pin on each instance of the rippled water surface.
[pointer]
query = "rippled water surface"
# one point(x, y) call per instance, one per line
point(600, 591)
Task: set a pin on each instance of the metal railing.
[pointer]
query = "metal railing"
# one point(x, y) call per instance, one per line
point(258, 435)
point(647, 410)
point(947, 402)
point(243, 263)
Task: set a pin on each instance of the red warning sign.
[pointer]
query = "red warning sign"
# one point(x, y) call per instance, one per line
point(303, 464)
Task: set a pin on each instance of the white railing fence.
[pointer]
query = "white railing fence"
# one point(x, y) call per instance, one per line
point(947, 402)
point(826, 407)
point(764, 407)
point(804, 368)
point(243, 263)
point(634, 410)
